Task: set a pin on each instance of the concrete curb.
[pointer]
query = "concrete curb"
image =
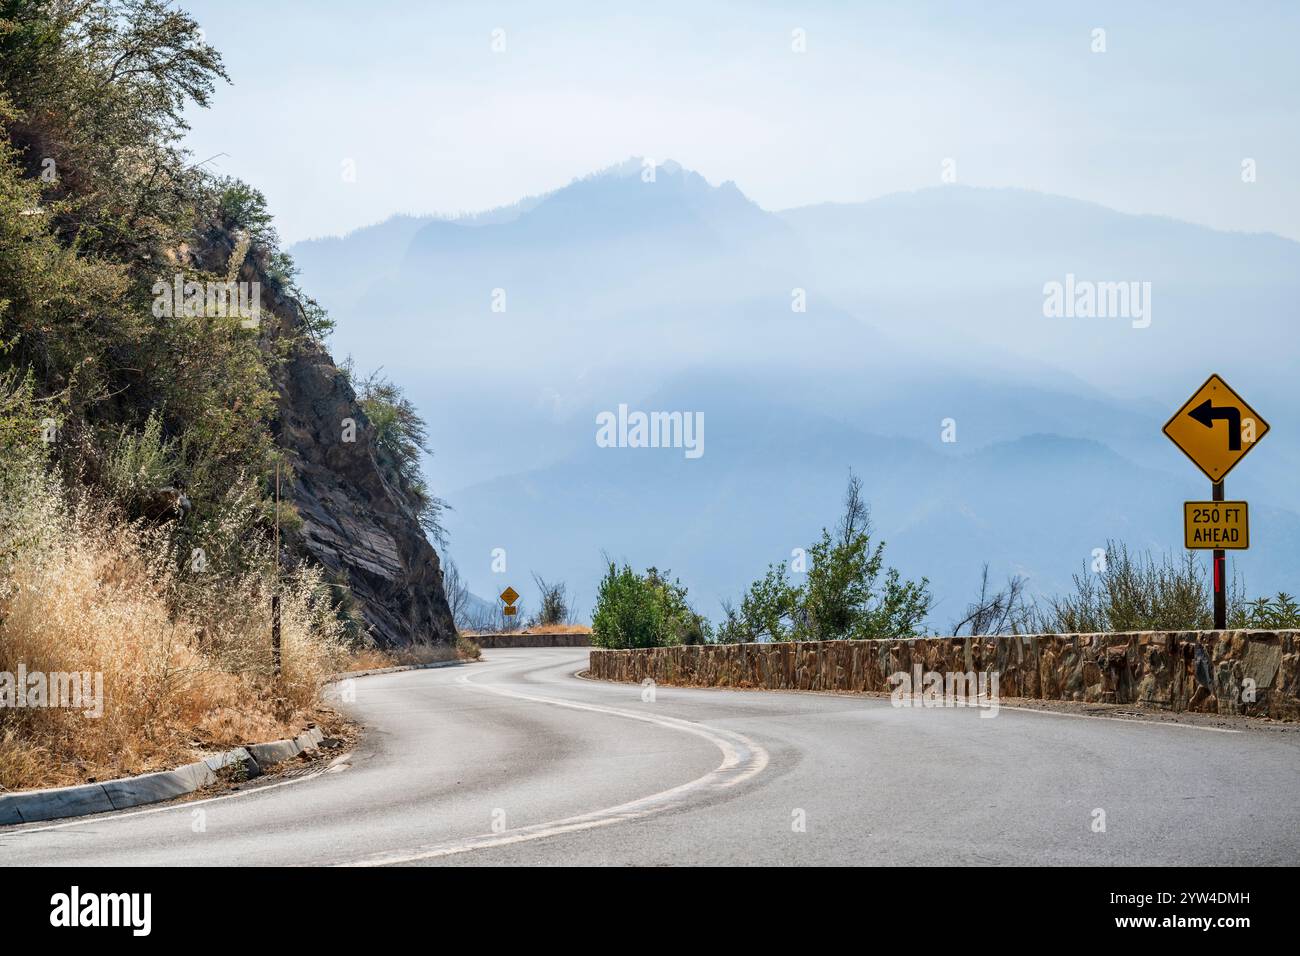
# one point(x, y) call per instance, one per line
point(33, 806)
point(344, 675)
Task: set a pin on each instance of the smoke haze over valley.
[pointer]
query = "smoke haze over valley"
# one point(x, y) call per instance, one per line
point(513, 329)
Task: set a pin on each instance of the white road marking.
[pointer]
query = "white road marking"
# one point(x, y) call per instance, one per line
point(742, 759)
point(582, 675)
point(1123, 720)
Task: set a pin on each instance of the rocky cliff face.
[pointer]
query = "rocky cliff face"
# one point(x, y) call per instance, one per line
point(358, 516)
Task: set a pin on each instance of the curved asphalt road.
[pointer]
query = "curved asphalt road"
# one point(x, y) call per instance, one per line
point(514, 761)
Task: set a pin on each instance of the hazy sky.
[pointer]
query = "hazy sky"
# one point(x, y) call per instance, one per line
point(434, 120)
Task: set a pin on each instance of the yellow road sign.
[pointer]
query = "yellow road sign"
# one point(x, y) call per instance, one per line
point(1216, 428)
point(510, 595)
point(1216, 524)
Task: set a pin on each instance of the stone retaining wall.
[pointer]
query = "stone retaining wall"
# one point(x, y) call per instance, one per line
point(1202, 671)
point(488, 641)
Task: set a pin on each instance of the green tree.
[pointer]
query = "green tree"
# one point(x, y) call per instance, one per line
point(93, 94)
point(848, 594)
point(769, 611)
point(103, 88)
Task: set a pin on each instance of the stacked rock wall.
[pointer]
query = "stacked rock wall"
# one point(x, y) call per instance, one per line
point(1255, 673)
point(497, 641)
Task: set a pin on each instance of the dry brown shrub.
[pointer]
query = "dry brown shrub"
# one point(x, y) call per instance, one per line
point(185, 657)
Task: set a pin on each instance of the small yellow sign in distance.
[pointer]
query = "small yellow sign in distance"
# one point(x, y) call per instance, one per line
point(510, 595)
point(1216, 524)
point(1216, 428)
point(510, 609)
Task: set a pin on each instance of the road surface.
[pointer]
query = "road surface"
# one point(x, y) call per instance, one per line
point(516, 761)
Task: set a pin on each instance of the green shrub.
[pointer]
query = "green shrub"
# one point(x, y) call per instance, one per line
point(21, 423)
point(1132, 593)
point(628, 613)
point(681, 625)
point(241, 208)
point(647, 610)
point(401, 438)
point(1277, 613)
point(141, 462)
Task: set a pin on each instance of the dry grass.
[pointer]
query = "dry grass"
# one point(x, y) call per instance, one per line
point(369, 659)
point(185, 657)
point(373, 658)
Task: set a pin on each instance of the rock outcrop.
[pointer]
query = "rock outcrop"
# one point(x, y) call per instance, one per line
point(359, 518)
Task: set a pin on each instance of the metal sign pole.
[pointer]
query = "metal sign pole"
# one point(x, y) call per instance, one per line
point(275, 595)
point(1220, 585)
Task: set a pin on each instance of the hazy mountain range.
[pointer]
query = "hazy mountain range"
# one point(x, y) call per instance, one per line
point(677, 295)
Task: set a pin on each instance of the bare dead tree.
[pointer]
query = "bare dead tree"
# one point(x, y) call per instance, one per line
point(457, 594)
point(857, 514)
point(1001, 612)
point(554, 607)
point(482, 618)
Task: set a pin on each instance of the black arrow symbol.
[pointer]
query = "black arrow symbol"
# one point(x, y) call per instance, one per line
point(1206, 413)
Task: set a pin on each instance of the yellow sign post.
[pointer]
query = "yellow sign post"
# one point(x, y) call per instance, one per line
point(1216, 524)
point(509, 596)
point(1215, 428)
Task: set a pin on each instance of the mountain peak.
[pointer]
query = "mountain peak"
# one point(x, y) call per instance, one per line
point(640, 193)
point(636, 166)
